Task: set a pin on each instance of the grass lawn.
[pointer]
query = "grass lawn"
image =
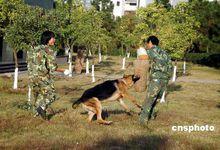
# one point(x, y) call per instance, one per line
point(188, 103)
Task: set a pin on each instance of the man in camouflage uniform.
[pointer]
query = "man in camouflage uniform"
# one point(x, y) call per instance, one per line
point(31, 75)
point(41, 68)
point(160, 73)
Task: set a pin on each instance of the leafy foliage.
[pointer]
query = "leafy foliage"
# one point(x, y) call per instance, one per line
point(179, 28)
point(208, 14)
point(27, 26)
point(176, 28)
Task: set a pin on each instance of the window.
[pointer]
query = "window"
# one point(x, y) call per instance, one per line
point(133, 4)
point(118, 3)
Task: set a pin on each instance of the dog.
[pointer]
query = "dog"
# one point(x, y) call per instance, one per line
point(110, 90)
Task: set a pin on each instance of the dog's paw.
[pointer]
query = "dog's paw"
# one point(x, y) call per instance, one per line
point(108, 122)
point(105, 122)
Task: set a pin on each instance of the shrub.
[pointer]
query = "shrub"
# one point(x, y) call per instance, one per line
point(208, 59)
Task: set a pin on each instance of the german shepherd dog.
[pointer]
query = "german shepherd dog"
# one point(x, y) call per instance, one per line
point(110, 90)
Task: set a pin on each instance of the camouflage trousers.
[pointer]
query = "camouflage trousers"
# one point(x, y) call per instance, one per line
point(155, 90)
point(43, 94)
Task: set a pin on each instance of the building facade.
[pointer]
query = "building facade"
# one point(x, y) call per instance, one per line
point(123, 7)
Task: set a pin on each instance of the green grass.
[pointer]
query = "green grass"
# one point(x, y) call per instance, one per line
point(189, 103)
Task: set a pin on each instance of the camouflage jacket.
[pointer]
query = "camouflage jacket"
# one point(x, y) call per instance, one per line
point(161, 64)
point(31, 59)
point(41, 63)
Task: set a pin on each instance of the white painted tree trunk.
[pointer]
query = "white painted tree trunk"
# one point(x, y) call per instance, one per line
point(184, 67)
point(174, 74)
point(123, 63)
point(15, 85)
point(90, 54)
point(70, 70)
point(29, 93)
point(162, 100)
point(87, 66)
point(100, 57)
point(67, 51)
point(128, 55)
point(70, 65)
point(93, 73)
point(100, 54)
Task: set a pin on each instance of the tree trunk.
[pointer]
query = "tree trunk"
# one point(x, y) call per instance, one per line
point(79, 62)
point(207, 49)
point(122, 50)
point(106, 56)
point(15, 85)
point(70, 61)
point(174, 72)
point(87, 66)
point(141, 68)
point(93, 73)
point(123, 63)
point(100, 55)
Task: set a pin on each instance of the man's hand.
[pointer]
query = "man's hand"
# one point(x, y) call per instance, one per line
point(66, 72)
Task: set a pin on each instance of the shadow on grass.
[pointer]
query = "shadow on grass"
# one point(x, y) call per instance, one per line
point(134, 143)
point(66, 90)
point(9, 90)
point(180, 73)
point(53, 113)
point(106, 114)
point(106, 64)
point(99, 67)
point(173, 87)
point(28, 107)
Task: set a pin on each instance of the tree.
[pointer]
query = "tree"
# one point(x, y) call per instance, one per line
point(176, 28)
point(81, 27)
point(208, 14)
point(65, 12)
point(89, 31)
point(166, 3)
point(125, 32)
point(25, 28)
point(106, 8)
point(7, 13)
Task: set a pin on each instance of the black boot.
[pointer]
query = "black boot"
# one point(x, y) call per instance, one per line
point(42, 113)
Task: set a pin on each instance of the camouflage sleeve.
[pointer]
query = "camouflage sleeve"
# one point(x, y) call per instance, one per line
point(51, 63)
point(29, 61)
point(154, 56)
point(41, 58)
point(170, 67)
point(151, 54)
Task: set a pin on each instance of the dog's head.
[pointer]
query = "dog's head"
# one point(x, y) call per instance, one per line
point(130, 79)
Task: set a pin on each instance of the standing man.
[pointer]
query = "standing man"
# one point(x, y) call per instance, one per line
point(42, 62)
point(160, 73)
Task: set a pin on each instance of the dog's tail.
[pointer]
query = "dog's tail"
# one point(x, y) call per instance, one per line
point(76, 103)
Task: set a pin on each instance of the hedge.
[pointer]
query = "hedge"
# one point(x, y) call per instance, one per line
point(208, 59)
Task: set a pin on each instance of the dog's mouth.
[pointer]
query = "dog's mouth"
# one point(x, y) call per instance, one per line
point(135, 78)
